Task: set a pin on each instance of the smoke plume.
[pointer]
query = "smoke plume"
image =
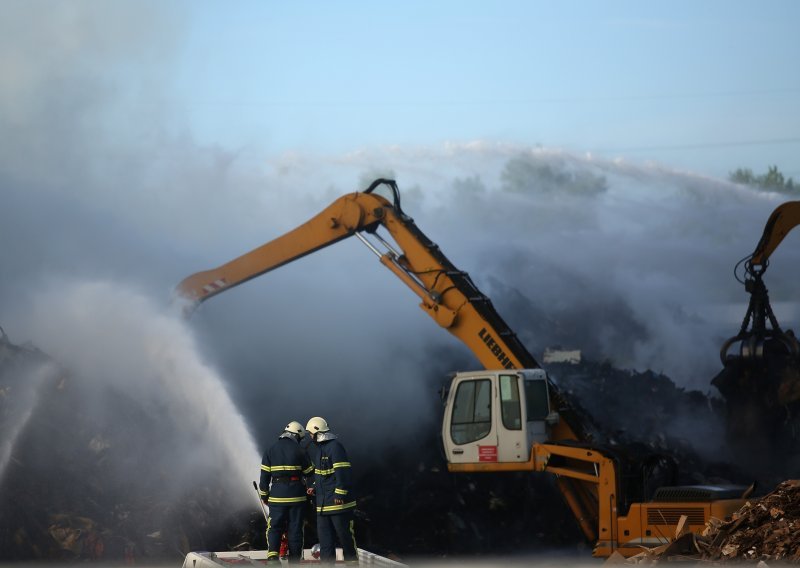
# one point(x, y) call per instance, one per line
point(108, 202)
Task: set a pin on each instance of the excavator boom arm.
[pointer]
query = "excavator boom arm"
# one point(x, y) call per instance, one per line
point(447, 294)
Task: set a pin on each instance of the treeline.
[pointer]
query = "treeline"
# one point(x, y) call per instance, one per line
point(773, 180)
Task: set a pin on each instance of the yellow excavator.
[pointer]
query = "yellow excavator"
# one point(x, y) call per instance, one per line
point(508, 416)
point(760, 379)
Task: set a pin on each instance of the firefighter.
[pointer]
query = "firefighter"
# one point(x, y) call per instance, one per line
point(283, 490)
point(334, 493)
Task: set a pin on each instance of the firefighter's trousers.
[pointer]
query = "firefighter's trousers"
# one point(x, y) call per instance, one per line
point(331, 528)
point(287, 519)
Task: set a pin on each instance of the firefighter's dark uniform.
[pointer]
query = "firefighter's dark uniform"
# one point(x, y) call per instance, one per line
point(282, 485)
point(333, 480)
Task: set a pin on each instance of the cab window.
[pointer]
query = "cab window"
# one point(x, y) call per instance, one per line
point(472, 411)
point(509, 402)
point(536, 401)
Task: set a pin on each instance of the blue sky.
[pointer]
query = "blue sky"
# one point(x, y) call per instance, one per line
point(704, 86)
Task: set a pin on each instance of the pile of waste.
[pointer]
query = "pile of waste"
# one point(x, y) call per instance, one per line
point(444, 515)
point(648, 410)
point(73, 487)
point(765, 529)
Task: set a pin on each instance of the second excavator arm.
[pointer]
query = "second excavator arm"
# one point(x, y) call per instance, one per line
point(785, 218)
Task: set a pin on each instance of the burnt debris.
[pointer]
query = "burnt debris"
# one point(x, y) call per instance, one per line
point(73, 486)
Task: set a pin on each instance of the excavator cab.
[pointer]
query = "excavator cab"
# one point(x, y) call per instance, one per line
point(494, 417)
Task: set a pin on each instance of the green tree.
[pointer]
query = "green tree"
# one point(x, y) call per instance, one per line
point(773, 180)
point(743, 175)
point(549, 175)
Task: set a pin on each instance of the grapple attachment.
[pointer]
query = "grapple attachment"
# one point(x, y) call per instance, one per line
point(760, 380)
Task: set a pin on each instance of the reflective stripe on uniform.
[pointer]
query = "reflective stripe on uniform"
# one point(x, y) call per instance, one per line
point(340, 491)
point(271, 554)
point(309, 469)
point(353, 534)
point(326, 508)
point(324, 471)
point(280, 500)
point(341, 464)
point(286, 468)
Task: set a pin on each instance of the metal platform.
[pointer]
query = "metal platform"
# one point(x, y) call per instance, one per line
point(259, 558)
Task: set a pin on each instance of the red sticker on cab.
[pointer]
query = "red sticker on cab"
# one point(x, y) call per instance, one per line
point(487, 453)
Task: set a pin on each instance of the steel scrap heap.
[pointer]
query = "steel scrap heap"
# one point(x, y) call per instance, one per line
point(763, 530)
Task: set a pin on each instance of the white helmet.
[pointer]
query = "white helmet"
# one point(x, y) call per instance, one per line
point(317, 424)
point(295, 427)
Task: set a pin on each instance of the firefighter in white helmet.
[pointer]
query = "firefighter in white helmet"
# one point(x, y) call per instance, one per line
point(284, 468)
point(333, 488)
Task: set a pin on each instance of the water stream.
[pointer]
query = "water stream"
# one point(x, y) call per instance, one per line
point(118, 344)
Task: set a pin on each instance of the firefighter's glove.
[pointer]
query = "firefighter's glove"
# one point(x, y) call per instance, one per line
point(337, 501)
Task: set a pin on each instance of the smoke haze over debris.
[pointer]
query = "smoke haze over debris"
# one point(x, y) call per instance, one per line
point(116, 345)
point(108, 201)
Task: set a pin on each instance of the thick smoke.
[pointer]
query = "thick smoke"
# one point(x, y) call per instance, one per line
point(627, 261)
point(128, 357)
